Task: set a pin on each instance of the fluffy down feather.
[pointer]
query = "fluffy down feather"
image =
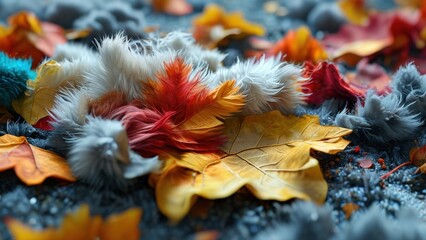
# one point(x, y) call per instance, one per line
point(304, 221)
point(411, 88)
point(73, 51)
point(185, 44)
point(120, 67)
point(97, 149)
point(374, 224)
point(381, 120)
point(267, 83)
point(14, 74)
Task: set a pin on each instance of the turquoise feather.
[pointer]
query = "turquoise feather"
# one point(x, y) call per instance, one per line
point(14, 74)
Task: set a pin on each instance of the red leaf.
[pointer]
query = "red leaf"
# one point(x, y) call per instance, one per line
point(326, 83)
point(369, 76)
point(391, 36)
point(44, 123)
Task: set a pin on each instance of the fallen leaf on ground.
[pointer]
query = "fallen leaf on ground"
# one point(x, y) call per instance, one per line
point(267, 153)
point(369, 76)
point(417, 158)
point(391, 36)
point(354, 10)
point(28, 37)
point(207, 235)
point(214, 26)
point(327, 83)
point(299, 46)
point(349, 209)
point(80, 225)
point(172, 7)
point(31, 164)
point(40, 97)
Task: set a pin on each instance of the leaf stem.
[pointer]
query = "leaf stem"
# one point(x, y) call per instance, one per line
point(394, 170)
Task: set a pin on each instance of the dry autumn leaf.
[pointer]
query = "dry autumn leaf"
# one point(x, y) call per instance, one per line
point(39, 99)
point(215, 25)
point(80, 225)
point(299, 46)
point(32, 164)
point(349, 209)
point(267, 153)
point(396, 35)
point(417, 158)
point(354, 42)
point(354, 10)
point(172, 7)
point(369, 76)
point(27, 37)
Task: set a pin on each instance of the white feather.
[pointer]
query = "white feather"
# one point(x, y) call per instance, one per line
point(185, 44)
point(72, 51)
point(123, 69)
point(267, 83)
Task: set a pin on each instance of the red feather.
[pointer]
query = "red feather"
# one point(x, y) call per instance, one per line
point(158, 121)
point(175, 91)
point(326, 83)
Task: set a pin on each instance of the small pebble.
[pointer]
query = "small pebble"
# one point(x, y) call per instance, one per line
point(365, 163)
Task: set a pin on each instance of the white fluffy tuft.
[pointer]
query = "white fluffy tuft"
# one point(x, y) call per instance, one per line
point(267, 83)
point(185, 44)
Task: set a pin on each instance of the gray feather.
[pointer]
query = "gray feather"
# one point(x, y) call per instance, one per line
point(381, 120)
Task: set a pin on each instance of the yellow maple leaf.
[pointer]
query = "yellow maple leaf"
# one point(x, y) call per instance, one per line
point(80, 225)
point(354, 10)
point(37, 101)
point(299, 46)
point(214, 25)
point(31, 164)
point(268, 153)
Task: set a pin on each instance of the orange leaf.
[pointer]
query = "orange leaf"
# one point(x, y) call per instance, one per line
point(268, 153)
point(172, 7)
point(215, 25)
point(32, 164)
point(418, 158)
point(27, 37)
point(80, 225)
point(349, 209)
point(299, 46)
point(112, 228)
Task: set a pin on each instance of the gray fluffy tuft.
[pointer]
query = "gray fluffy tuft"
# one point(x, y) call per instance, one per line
point(374, 224)
point(307, 221)
point(410, 86)
point(381, 120)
